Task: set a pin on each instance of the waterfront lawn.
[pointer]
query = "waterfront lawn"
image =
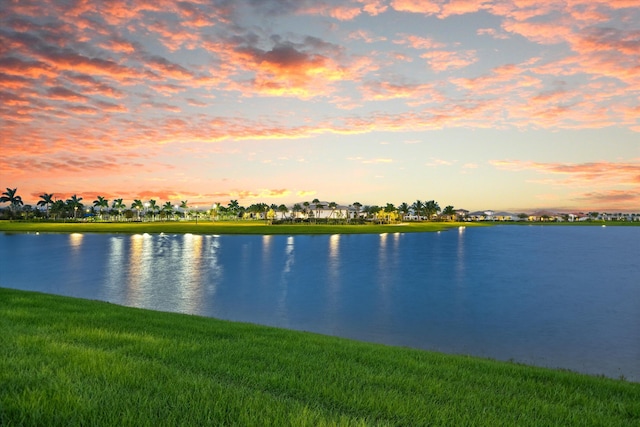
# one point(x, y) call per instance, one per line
point(65, 362)
point(221, 227)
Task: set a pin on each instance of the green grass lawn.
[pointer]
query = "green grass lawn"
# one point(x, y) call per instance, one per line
point(221, 227)
point(66, 362)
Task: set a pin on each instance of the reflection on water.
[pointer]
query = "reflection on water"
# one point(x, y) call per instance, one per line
point(162, 272)
point(75, 240)
point(283, 288)
point(189, 285)
point(475, 291)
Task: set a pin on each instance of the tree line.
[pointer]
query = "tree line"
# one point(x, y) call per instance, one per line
point(76, 208)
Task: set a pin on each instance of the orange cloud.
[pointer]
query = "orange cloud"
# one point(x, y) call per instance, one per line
point(610, 200)
point(586, 174)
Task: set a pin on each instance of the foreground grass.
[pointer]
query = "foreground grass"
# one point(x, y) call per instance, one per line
point(66, 362)
point(222, 227)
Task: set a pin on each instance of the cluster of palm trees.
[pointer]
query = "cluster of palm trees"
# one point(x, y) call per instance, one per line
point(104, 209)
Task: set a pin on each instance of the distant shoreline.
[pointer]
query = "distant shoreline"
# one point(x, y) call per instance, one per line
point(226, 227)
point(259, 227)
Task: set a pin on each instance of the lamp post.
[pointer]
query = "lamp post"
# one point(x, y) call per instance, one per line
point(146, 208)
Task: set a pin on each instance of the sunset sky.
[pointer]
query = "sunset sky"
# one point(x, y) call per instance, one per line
point(506, 105)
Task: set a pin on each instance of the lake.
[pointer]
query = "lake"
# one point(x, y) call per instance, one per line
point(556, 296)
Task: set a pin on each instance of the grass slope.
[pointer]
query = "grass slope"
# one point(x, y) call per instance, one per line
point(222, 227)
point(65, 362)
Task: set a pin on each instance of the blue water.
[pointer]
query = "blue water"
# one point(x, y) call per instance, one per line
point(562, 297)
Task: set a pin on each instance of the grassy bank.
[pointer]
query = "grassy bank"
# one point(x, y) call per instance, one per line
point(223, 227)
point(66, 362)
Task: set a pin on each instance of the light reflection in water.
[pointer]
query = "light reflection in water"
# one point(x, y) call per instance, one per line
point(382, 261)
point(266, 244)
point(215, 266)
point(289, 256)
point(140, 263)
point(289, 259)
point(385, 278)
point(460, 258)
point(334, 279)
point(189, 281)
point(75, 241)
point(115, 273)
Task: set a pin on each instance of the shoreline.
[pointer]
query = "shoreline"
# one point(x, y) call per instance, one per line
point(230, 227)
point(260, 228)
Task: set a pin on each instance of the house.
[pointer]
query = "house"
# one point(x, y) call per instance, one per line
point(577, 217)
point(481, 216)
point(461, 214)
point(544, 216)
point(506, 216)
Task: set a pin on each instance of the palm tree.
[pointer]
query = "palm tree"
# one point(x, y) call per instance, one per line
point(319, 206)
point(167, 209)
point(74, 203)
point(101, 202)
point(234, 208)
point(404, 209)
point(449, 212)
point(14, 201)
point(432, 208)
point(333, 206)
point(283, 209)
point(57, 208)
point(296, 208)
point(306, 208)
point(118, 205)
point(47, 201)
point(417, 207)
point(138, 206)
point(184, 205)
point(152, 204)
point(390, 212)
point(357, 206)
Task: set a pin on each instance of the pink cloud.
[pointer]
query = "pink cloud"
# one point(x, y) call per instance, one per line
point(382, 90)
point(492, 32)
point(442, 60)
point(539, 32)
point(119, 45)
point(461, 7)
point(373, 7)
point(426, 7)
point(418, 42)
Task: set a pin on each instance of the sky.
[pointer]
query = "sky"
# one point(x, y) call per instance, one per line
point(514, 105)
